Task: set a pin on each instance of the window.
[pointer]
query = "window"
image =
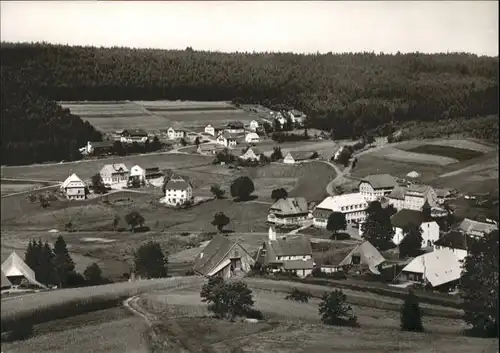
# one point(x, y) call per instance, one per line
point(356, 259)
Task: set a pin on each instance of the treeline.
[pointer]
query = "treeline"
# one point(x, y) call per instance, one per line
point(348, 93)
point(35, 129)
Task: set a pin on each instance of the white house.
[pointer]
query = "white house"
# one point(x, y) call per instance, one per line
point(173, 134)
point(352, 205)
point(226, 139)
point(74, 188)
point(209, 129)
point(476, 228)
point(374, 187)
point(235, 127)
point(114, 173)
point(292, 210)
point(404, 218)
point(136, 172)
point(250, 154)
point(297, 156)
point(177, 192)
point(133, 135)
point(455, 241)
point(297, 116)
point(254, 125)
point(413, 197)
point(252, 137)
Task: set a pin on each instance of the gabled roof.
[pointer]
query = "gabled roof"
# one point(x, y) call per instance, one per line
point(235, 125)
point(252, 135)
point(299, 246)
point(455, 240)
point(15, 266)
point(213, 254)
point(405, 217)
point(101, 144)
point(438, 267)
point(422, 189)
point(177, 185)
point(228, 135)
point(5, 281)
point(135, 132)
point(290, 206)
point(469, 225)
point(300, 155)
point(334, 203)
point(398, 193)
point(74, 180)
point(369, 255)
point(380, 181)
point(114, 168)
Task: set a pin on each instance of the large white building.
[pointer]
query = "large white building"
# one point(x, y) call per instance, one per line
point(374, 187)
point(133, 135)
point(226, 139)
point(254, 125)
point(352, 205)
point(74, 188)
point(136, 172)
point(404, 218)
point(252, 137)
point(209, 129)
point(177, 192)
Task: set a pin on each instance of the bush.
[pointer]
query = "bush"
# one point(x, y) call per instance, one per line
point(298, 295)
point(411, 318)
point(334, 309)
point(19, 332)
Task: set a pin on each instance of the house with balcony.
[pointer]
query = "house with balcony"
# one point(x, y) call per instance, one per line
point(133, 135)
point(74, 188)
point(353, 206)
point(374, 187)
point(178, 192)
point(289, 211)
point(113, 174)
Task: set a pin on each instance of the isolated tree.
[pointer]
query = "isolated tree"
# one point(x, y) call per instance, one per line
point(97, 184)
point(411, 317)
point(183, 142)
point(156, 144)
point(390, 210)
point(377, 227)
point(242, 188)
point(134, 219)
point(288, 126)
point(268, 128)
point(277, 154)
point(220, 221)
point(427, 212)
point(336, 222)
point(135, 183)
point(197, 141)
point(116, 221)
point(217, 191)
point(412, 241)
point(344, 157)
point(150, 261)
point(47, 273)
point(479, 285)
point(44, 201)
point(227, 299)
point(93, 274)
point(280, 193)
point(334, 309)
point(63, 263)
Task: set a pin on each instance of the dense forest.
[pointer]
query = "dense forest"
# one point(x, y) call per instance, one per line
point(348, 93)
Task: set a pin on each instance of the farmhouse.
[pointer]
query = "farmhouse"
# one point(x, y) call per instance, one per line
point(133, 135)
point(352, 205)
point(362, 257)
point(153, 173)
point(413, 197)
point(288, 255)
point(297, 156)
point(455, 241)
point(210, 148)
point(97, 148)
point(252, 137)
point(137, 173)
point(74, 188)
point(374, 187)
point(476, 228)
point(177, 192)
point(5, 282)
point(297, 116)
point(223, 257)
point(445, 194)
point(404, 218)
point(235, 127)
point(289, 211)
point(209, 129)
point(251, 154)
point(254, 125)
point(440, 268)
point(226, 139)
point(114, 173)
point(173, 134)
point(16, 270)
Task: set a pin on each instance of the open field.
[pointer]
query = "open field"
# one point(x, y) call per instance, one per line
point(110, 330)
point(14, 187)
point(460, 154)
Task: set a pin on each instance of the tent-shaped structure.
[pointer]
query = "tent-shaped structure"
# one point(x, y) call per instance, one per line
point(5, 282)
point(364, 254)
point(15, 269)
point(413, 175)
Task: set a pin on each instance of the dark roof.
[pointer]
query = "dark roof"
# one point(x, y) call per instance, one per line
point(288, 247)
point(298, 264)
point(418, 188)
point(470, 225)
point(405, 217)
point(455, 240)
point(153, 170)
point(229, 136)
point(177, 185)
point(235, 125)
point(398, 193)
point(135, 132)
point(380, 181)
point(212, 254)
point(301, 155)
point(102, 144)
point(290, 206)
point(334, 258)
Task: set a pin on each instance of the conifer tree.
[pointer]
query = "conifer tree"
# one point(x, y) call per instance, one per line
point(411, 317)
point(63, 263)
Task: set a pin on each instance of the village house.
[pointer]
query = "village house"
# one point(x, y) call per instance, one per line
point(413, 197)
point(404, 218)
point(153, 173)
point(16, 270)
point(297, 116)
point(137, 173)
point(254, 125)
point(178, 192)
point(362, 257)
point(374, 187)
point(210, 148)
point(252, 137)
point(445, 195)
point(455, 241)
point(74, 188)
point(222, 257)
point(133, 135)
point(173, 134)
point(226, 139)
point(114, 174)
point(97, 148)
point(440, 269)
point(235, 127)
point(352, 205)
point(298, 156)
point(251, 154)
point(289, 211)
point(286, 254)
point(476, 228)
point(209, 129)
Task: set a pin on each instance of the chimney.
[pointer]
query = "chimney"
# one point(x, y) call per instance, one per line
point(272, 233)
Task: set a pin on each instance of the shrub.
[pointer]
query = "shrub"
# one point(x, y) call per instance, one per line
point(19, 332)
point(334, 309)
point(298, 295)
point(411, 318)
point(150, 261)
